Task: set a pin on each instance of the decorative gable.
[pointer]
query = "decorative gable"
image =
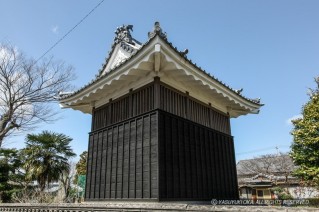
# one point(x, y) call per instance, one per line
point(124, 47)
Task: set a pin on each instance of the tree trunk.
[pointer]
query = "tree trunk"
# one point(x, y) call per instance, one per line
point(1, 139)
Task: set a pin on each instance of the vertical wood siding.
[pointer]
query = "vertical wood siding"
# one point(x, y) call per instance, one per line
point(159, 143)
point(160, 156)
point(196, 162)
point(123, 160)
point(184, 106)
point(131, 105)
point(144, 100)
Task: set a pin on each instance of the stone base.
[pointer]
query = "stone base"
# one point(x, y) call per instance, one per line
point(140, 206)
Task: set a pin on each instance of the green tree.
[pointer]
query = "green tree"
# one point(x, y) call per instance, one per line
point(46, 157)
point(81, 166)
point(80, 176)
point(305, 146)
point(10, 176)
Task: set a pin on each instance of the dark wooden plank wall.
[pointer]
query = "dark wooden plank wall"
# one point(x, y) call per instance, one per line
point(181, 104)
point(196, 162)
point(123, 160)
point(128, 106)
point(170, 100)
point(196, 149)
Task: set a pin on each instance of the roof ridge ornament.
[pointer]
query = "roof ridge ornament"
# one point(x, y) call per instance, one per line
point(123, 34)
point(257, 100)
point(157, 30)
point(239, 91)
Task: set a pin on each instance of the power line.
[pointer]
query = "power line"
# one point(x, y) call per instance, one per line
point(263, 149)
point(66, 34)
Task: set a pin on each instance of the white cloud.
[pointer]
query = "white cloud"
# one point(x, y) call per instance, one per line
point(288, 121)
point(55, 29)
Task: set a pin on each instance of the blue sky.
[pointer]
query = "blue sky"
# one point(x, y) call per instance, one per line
point(269, 48)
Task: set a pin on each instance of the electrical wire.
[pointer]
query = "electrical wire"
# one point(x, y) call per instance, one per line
point(66, 34)
point(261, 150)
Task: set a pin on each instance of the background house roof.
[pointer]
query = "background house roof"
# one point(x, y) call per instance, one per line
point(268, 164)
point(268, 169)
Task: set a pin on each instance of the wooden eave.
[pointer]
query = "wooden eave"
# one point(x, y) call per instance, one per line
point(158, 57)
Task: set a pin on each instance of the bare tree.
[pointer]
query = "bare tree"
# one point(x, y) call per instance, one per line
point(284, 165)
point(270, 164)
point(65, 180)
point(258, 165)
point(33, 196)
point(27, 88)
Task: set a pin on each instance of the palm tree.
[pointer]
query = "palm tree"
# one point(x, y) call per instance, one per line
point(46, 157)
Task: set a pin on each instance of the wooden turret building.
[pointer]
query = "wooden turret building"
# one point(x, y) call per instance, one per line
point(160, 125)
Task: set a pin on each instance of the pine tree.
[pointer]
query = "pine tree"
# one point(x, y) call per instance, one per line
point(305, 147)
